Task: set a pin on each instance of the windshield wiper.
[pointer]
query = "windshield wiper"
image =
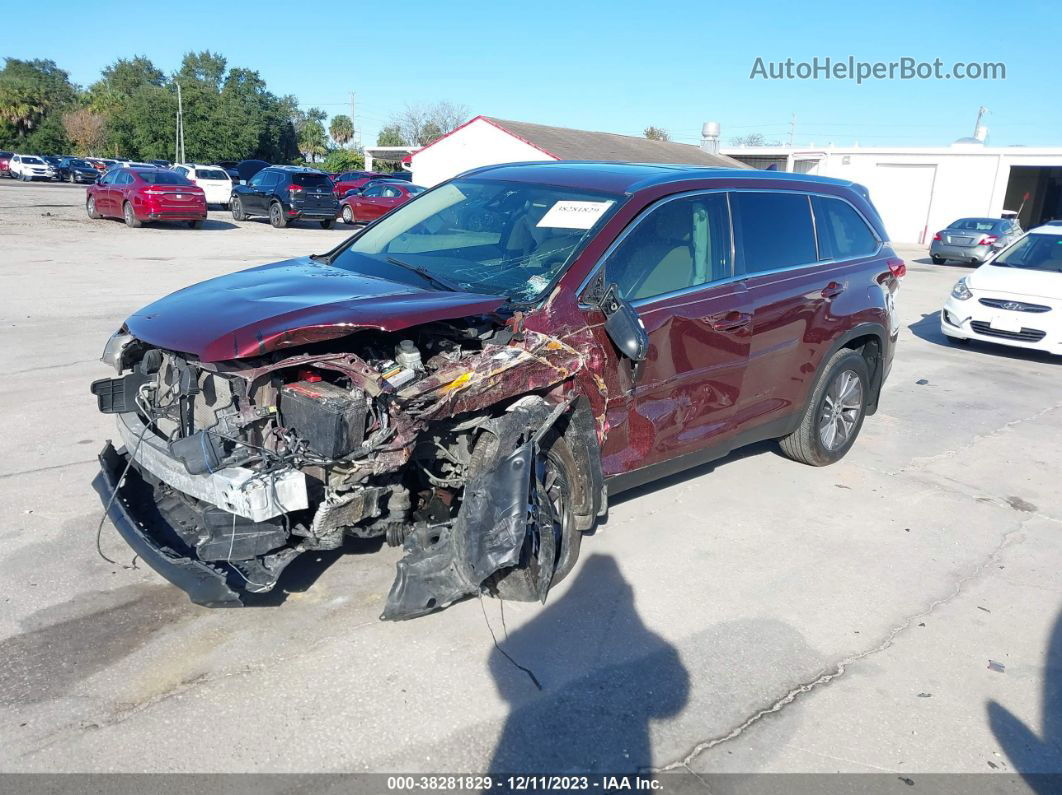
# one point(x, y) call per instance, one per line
point(425, 274)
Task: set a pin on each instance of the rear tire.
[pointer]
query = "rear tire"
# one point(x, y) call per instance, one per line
point(237, 210)
point(194, 224)
point(130, 217)
point(276, 216)
point(937, 260)
point(835, 413)
point(327, 224)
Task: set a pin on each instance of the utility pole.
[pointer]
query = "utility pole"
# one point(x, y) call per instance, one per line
point(792, 129)
point(353, 123)
point(179, 153)
point(981, 111)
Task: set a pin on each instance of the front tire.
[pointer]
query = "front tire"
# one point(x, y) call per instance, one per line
point(276, 216)
point(560, 476)
point(237, 210)
point(130, 217)
point(937, 260)
point(194, 224)
point(348, 215)
point(90, 208)
point(72, 178)
point(327, 224)
point(835, 413)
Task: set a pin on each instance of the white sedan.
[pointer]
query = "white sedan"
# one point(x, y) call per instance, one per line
point(215, 182)
point(1013, 299)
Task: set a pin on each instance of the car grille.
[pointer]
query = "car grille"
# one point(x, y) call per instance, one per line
point(1025, 335)
point(1013, 306)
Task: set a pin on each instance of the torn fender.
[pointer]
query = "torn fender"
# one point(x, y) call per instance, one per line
point(446, 562)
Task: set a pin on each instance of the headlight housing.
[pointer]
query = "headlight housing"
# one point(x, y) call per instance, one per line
point(960, 291)
point(114, 350)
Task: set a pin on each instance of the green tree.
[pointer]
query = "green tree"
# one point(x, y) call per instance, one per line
point(313, 141)
point(29, 92)
point(656, 133)
point(341, 129)
point(207, 68)
point(343, 160)
point(391, 135)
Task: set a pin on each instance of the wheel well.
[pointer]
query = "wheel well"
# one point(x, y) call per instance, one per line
point(869, 347)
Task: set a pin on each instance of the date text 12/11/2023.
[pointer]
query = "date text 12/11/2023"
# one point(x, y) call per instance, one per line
point(521, 783)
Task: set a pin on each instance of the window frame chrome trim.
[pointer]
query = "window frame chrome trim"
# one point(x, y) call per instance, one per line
point(734, 277)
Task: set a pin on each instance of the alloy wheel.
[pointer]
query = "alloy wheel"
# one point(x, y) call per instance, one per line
point(841, 408)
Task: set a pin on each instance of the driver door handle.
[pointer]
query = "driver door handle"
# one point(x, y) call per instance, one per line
point(729, 322)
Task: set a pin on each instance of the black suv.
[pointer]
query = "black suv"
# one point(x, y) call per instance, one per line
point(74, 169)
point(286, 194)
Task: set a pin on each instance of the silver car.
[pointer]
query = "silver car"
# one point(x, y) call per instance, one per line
point(973, 240)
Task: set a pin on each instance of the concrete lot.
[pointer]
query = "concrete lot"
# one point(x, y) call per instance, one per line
point(755, 615)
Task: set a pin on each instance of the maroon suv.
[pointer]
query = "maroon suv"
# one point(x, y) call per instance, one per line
point(473, 375)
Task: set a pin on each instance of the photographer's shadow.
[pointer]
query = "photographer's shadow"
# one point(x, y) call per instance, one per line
point(1033, 753)
point(604, 676)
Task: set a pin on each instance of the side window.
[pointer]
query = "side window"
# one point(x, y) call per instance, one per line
point(372, 192)
point(843, 234)
point(390, 193)
point(258, 180)
point(681, 243)
point(772, 230)
point(123, 178)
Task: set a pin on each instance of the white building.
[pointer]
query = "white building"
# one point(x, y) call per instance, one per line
point(919, 191)
point(485, 141)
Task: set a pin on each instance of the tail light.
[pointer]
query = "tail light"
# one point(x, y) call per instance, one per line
point(936, 237)
point(897, 267)
point(295, 189)
point(988, 240)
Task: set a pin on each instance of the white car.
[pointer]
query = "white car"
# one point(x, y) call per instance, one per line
point(215, 182)
point(30, 167)
point(1013, 299)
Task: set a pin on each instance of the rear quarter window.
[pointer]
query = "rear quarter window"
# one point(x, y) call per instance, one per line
point(842, 232)
point(772, 230)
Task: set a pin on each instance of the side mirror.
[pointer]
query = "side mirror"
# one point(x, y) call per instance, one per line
point(623, 325)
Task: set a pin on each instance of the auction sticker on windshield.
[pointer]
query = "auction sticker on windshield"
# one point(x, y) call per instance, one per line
point(573, 214)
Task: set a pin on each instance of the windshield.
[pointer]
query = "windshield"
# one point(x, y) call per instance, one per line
point(1033, 252)
point(162, 178)
point(36, 161)
point(500, 238)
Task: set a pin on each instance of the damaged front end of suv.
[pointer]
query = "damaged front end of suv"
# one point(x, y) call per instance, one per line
point(281, 410)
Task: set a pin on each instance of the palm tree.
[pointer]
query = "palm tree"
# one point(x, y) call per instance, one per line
point(341, 129)
point(312, 141)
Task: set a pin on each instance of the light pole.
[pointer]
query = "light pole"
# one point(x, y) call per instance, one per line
point(178, 153)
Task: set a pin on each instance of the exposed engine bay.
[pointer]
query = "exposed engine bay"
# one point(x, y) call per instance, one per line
point(456, 440)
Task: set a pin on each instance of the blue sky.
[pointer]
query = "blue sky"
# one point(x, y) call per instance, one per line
point(615, 66)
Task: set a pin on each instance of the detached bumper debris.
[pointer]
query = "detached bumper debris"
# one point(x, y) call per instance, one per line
point(500, 511)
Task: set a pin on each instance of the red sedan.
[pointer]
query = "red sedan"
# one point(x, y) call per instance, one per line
point(146, 194)
point(350, 180)
point(375, 199)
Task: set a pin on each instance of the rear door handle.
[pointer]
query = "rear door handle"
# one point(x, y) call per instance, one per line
point(729, 321)
point(832, 290)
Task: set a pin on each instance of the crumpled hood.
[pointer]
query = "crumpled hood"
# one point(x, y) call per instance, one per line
point(289, 303)
point(1017, 282)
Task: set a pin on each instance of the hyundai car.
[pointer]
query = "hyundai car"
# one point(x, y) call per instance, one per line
point(1015, 299)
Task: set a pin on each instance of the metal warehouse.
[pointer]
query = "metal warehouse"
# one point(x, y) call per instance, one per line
point(919, 190)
